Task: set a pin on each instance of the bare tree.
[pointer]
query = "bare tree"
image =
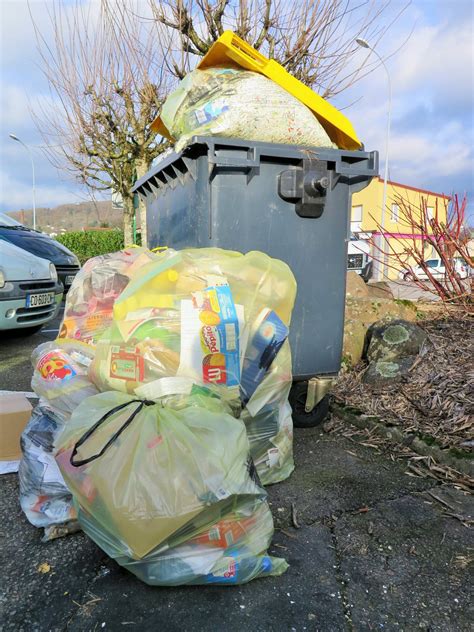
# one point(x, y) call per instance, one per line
point(109, 70)
point(313, 39)
point(445, 232)
point(98, 68)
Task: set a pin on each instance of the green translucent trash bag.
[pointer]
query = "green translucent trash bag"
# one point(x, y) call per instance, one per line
point(224, 545)
point(142, 473)
point(209, 317)
point(237, 103)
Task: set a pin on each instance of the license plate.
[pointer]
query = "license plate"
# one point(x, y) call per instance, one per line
point(39, 300)
point(69, 279)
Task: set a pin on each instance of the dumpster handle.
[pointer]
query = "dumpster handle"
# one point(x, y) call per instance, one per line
point(230, 161)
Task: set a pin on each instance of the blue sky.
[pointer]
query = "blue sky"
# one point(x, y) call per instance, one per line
point(432, 136)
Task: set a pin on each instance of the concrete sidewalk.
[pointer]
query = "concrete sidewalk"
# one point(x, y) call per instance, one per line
point(374, 551)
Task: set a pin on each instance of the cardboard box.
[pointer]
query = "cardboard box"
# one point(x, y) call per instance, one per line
point(15, 412)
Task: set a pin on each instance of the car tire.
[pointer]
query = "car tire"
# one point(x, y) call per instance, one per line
point(302, 419)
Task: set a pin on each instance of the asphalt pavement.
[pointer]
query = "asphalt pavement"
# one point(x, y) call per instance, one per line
point(374, 550)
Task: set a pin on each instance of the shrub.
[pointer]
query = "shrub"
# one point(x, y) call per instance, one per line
point(87, 244)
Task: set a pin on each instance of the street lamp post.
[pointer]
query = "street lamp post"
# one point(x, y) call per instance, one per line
point(364, 44)
point(13, 137)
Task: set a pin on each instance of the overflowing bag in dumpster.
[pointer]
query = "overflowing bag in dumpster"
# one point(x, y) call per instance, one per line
point(60, 374)
point(44, 496)
point(153, 479)
point(237, 103)
point(208, 317)
point(91, 297)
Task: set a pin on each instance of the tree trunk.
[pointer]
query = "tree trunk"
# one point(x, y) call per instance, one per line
point(128, 214)
point(141, 167)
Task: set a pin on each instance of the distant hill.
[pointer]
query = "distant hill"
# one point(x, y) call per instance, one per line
point(68, 217)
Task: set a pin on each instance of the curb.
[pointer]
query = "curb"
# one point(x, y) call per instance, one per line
point(423, 445)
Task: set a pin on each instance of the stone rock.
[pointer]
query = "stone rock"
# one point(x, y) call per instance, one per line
point(361, 313)
point(380, 289)
point(381, 372)
point(355, 285)
point(394, 340)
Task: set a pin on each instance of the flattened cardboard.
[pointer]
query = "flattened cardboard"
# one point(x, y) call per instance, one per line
point(15, 412)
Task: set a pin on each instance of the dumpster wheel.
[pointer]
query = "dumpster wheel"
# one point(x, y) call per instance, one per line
point(301, 418)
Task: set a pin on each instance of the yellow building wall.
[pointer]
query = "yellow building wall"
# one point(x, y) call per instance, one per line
point(371, 198)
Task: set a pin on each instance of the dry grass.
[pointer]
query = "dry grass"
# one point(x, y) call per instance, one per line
point(435, 400)
point(437, 397)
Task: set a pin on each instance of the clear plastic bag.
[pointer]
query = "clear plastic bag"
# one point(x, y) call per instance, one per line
point(237, 103)
point(191, 315)
point(267, 417)
point(44, 496)
point(214, 318)
point(149, 479)
point(91, 297)
point(227, 551)
point(60, 374)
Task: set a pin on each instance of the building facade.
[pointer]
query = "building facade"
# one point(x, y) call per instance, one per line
point(397, 233)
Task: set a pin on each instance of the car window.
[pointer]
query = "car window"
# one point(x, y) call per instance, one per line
point(45, 248)
point(433, 263)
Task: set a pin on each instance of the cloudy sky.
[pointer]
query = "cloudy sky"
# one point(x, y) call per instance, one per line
point(432, 137)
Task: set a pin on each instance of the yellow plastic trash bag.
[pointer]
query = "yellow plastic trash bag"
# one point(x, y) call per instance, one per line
point(215, 318)
point(90, 300)
point(227, 550)
point(193, 315)
point(237, 103)
point(143, 473)
point(60, 375)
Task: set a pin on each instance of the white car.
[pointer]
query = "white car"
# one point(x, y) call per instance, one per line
point(437, 269)
point(30, 292)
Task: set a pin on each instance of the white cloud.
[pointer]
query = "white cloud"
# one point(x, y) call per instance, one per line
point(431, 142)
point(16, 193)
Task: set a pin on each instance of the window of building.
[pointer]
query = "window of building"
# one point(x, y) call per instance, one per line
point(430, 212)
point(394, 213)
point(356, 219)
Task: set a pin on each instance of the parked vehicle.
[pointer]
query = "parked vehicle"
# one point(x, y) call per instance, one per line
point(437, 269)
point(30, 291)
point(358, 258)
point(41, 245)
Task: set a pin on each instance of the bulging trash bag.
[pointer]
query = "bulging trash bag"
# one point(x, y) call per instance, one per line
point(214, 318)
point(230, 550)
point(90, 300)
point(146, 474)
point(192, 315)
point(44, 496)
point(60, 374)
point(237, 103)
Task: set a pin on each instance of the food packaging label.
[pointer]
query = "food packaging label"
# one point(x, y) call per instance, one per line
point(210, 330)
point(126, 364)
point(54, 366)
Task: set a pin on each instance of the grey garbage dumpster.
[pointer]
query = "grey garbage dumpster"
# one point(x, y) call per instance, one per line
point(290, 202)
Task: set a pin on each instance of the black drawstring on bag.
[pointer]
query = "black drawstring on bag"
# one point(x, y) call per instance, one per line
point(92, 429)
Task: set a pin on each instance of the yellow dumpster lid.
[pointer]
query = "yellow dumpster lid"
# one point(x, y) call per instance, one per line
point(231, 48)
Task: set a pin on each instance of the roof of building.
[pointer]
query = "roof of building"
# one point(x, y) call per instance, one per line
point(407, 186)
